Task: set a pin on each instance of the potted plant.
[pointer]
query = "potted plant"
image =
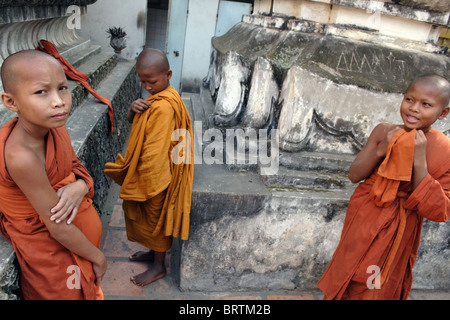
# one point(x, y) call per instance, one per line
point(118, 41)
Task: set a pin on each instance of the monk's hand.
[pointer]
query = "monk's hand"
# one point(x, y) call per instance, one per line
point(420, 156)
point(70, 197)
point(139, 106)
point(99, 268)
point(383, 144)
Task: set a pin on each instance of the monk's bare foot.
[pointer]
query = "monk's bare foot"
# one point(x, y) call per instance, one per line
point(148, 276)
point(142, 256)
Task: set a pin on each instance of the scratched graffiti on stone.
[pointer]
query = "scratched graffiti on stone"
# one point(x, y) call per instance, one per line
point(372, 64)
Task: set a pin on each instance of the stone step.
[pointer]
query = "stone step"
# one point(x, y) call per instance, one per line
point(217, 190)
point(220, 191)
point(319, 161)
point(77, 53)
point(96, 66)
point(187, 101)
point(292, 179)
point(208, 106)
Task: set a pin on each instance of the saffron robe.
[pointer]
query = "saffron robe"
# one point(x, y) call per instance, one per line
point(157, 172)
point(383, 224)
point(48, 269)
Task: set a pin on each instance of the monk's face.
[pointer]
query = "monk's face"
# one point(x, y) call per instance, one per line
point(422, 105)
point(154, 80)
point(41, 96)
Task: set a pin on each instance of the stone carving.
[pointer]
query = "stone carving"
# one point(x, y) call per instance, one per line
point(23, 10)
point(311, 103)
point(362, 64)
point(232, 90)
point(323, 93)
point(26, 35)
point(263, 91)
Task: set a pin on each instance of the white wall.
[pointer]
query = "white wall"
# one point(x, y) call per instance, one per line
point(200, 28)
point(103, 14)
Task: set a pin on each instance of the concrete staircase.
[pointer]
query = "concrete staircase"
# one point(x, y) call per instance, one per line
point(88, 126)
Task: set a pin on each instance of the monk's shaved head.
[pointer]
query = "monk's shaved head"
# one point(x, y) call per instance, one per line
point(438, 82)
point(150, 57)
point(9, 73)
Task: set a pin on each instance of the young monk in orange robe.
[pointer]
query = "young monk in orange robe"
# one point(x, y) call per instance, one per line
point(156, 173)
point(45, 193)
point(407, 178)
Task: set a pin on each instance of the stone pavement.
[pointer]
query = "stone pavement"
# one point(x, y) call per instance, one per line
point(116, 284)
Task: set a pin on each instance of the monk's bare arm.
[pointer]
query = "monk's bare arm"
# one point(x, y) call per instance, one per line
point(369, 157)
point(70, 198)
point(29, 174)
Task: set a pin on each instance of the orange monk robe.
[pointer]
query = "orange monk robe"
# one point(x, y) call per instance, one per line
point(48, 269)
point(157, 172)
point(384, 231)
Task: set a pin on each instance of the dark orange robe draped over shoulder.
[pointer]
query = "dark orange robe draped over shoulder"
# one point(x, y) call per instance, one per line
point(157, 171)
point(384, 220)
point(49, 270)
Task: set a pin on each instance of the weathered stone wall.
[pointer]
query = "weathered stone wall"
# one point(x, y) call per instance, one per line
point(282, 241)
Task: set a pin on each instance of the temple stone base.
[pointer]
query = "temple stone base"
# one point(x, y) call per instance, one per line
point(312, 92)
point(275, 232)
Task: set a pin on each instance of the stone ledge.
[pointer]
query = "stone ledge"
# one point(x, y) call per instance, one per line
point(96, 65)
point(342, 31)
point(403, 11)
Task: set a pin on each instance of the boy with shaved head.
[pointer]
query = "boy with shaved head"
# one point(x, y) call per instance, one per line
point(45, 193)
point(156, 173)
point(406, 173)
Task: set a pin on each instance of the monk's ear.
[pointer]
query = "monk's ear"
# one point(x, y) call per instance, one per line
point(169, 74)
point(444, 113)
point(8, 101)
